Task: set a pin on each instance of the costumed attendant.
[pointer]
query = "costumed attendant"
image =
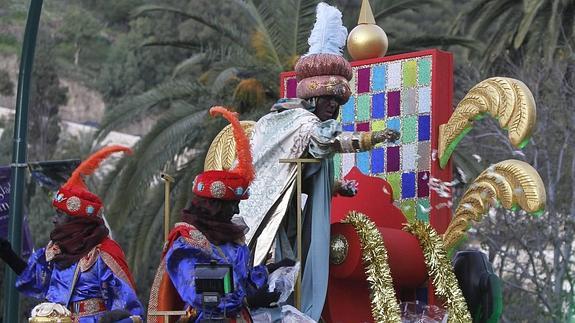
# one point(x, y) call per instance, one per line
point(207, 235)
point(81, 268)
point(299, 128)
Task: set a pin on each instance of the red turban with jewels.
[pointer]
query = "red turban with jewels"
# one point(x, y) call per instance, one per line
point(74, 198)
point(228, 184)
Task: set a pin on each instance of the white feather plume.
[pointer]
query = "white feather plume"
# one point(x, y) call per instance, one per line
point(329, 34)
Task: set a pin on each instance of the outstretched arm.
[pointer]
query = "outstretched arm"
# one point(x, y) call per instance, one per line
point(10, 257)
point(327, 138)
point(352, 142)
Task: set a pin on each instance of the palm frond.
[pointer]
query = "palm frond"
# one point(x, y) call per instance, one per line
point(172, 43)
point(223, 79)
point(305, 17)
point(213, 22)
point(134, 108)
point(402, 6)
point(529, 13)
point(422, 42)
point(189, 63)
point(172, 134)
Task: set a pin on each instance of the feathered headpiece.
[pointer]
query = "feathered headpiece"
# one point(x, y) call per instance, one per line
point(74, 198)
point(323, 70)
point(329, 34)
point(228, 184)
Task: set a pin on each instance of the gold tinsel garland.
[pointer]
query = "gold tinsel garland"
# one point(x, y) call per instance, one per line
point(384, 306)
point(439, 268)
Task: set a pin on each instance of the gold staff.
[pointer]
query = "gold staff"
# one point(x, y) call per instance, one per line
point(299, 162)
point(167, 182)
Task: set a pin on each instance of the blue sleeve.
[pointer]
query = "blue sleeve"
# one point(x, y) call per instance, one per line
point(118, 293)
point(35, 279)
point(181, 260)
point(257, 276)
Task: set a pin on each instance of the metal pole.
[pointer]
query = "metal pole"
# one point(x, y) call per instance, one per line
point(167, 181)
point(18, 166)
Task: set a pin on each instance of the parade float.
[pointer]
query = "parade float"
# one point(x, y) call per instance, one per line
point(392, 243)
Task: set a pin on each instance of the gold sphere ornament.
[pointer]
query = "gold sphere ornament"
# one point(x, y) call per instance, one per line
point(367, 40)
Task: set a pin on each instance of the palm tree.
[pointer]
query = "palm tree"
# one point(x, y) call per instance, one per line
point(535, 29)
point(239, 67)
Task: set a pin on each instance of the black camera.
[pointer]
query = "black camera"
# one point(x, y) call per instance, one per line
point(213, 281)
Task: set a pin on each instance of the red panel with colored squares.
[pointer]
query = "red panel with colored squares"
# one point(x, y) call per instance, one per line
point(411, 93)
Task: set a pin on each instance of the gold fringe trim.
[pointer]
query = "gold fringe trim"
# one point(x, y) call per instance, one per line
point(439, 268)
point(384, 306)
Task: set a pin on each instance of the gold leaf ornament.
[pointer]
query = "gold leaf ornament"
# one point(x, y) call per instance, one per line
point(222, 152)
point(511, 183)
point(508, 100)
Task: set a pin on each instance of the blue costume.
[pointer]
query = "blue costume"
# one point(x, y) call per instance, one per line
point(100, 285)
point(185, 253)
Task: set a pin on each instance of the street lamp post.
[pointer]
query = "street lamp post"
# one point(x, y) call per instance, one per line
point(18, 165)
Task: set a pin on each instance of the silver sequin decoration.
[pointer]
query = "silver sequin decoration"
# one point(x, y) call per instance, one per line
point(339, 249)
point(218, 189)
point(73, 203)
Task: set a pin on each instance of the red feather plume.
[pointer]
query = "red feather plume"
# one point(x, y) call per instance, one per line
point(91, 164)
point(243, 149)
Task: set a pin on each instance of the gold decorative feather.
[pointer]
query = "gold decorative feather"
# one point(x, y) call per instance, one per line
point(523, 117)
point(511, 182)
point(506, 99)
point(222, 152)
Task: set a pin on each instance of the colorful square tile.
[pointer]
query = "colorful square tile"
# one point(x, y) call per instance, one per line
point(394, 179)
point(364, 126)
point(409, 157)
point(363, 107)
point(408, 209)
point(291, 88)
point(337, 165)
point(377, 160)
point(377, 125)
point(394, 124)
point(423, 184)
point(348, 127)
point(347, 162)
point(408, 129)
point(424, 100)
point(424, 128)
point(424, 71)
point(423, 155)
point(393, 160)
point(378, 78)
point(409, 101)
point(410, 73)
point(348, 111)
point(363, 80)
point(362, 161)
point(422, 209)
point(393, 76)
point(393, 103)
point(407, 185)
point(378, 106)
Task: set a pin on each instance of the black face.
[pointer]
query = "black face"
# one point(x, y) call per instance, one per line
point(60, 218)
point(326, 107)
point(229, 209)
